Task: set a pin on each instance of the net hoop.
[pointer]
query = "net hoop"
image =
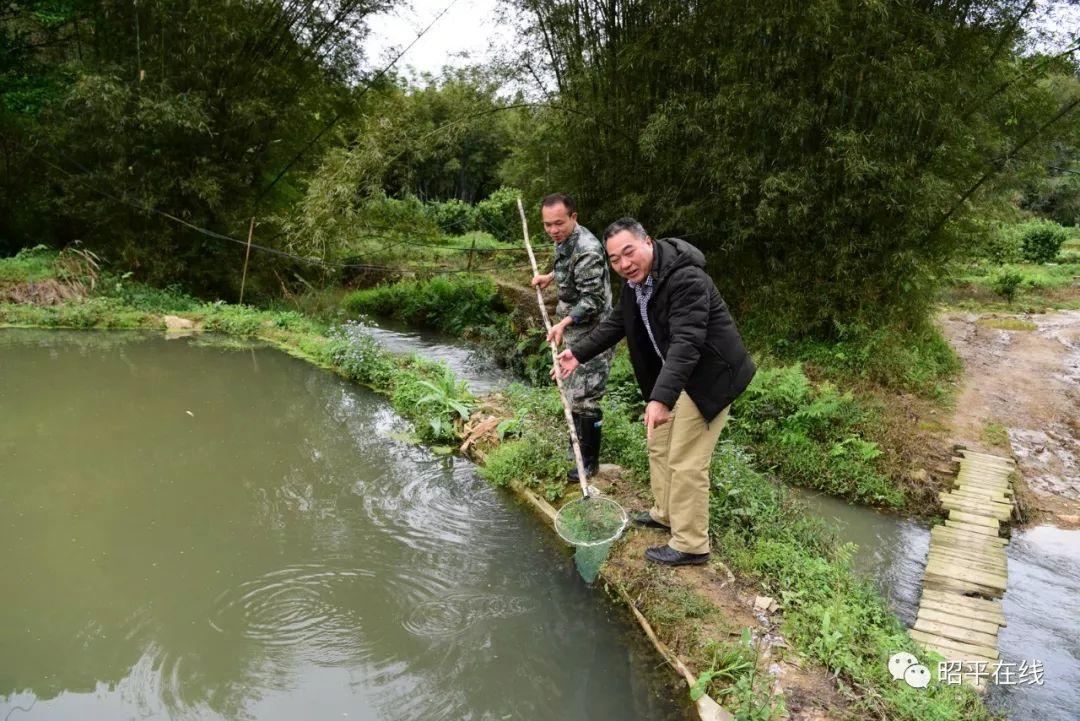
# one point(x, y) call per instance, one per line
point(608, 504)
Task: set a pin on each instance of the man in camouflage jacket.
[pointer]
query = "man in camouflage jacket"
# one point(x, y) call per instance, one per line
point(582, 277)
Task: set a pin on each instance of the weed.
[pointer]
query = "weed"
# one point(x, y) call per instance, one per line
point(811, 435)
point(1007, 323)
point(995, 434)
point(533, 460)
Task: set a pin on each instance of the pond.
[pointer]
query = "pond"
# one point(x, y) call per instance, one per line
point(218, 531)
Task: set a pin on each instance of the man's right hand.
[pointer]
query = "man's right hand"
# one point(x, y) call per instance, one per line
point(567, 363)
point(542, 281)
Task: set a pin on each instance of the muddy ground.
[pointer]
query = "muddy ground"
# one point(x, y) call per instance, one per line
point(1020, 396)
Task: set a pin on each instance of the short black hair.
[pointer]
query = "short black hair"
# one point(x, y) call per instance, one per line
point(626, 223)
point(554, 199)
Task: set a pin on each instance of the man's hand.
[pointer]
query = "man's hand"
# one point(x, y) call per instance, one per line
point(567, 363)
point(557, 330)
point(656, 414)
point(543, 281)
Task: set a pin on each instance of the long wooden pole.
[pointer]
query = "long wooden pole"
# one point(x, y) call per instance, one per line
point(555, 358)
point(247, 254)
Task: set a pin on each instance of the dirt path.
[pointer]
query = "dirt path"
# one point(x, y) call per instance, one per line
point(1021, 389)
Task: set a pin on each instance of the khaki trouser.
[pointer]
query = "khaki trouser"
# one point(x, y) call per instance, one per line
point(679, 456)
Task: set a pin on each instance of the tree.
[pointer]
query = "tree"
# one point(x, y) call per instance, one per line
point(825, 155)
point(184, 106)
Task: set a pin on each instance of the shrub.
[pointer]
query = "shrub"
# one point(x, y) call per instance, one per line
point(392, 216)
point(453, 217)
point(1042, 240)
point(1006, 283)
point(1002, 244)
point(498, 214)
point(452, 305)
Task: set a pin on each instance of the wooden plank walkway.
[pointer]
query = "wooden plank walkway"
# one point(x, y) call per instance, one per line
point(966, 573)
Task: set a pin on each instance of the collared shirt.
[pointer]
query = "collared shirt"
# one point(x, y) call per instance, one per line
point(643, 292)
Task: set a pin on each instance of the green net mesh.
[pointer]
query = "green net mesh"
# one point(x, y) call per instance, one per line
point(590, 521)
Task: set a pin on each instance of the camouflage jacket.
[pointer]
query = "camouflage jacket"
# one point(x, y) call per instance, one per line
point(581, 272)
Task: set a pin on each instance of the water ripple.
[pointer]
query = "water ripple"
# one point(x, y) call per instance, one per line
point(454, 614)
point(290, 606)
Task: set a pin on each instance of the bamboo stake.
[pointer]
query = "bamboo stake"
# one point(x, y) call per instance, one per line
point(555, 358)
point(247, 254)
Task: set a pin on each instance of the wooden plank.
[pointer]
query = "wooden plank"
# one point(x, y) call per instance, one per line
point(978, 487)
point(979, 534)
point(990, 479)
point(945, 569)
point(978, 603)
point(982, 479)
point(936, 606)
point(955, 633)
point(958, 650)
point(956, 585)
point(941, 566)
point(976, 492)
point(975, 519)
point(968, 495)
point(988, 458)
point(986, 577)
point(972, 457)
point(959, 620)
point(979, 499)
point(986, 465)
point(982, 463)
point(978, 563)
point(960, 536)
point(968, 555)
point(997, 511)
point(971, 528)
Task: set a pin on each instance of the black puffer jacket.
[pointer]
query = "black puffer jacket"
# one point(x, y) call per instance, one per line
point(702, 351)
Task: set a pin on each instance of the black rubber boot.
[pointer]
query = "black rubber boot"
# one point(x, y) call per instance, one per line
point(588, 430)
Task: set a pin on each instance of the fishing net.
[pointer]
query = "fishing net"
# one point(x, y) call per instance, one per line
point(591, 524)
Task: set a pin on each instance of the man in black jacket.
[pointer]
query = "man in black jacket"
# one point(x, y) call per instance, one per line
point(690, 363)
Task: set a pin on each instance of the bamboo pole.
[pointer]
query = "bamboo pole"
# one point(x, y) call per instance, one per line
point(247, 254)
point(555, 358)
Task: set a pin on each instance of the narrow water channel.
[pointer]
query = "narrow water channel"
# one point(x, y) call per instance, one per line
point(1042, 603)
point(211, 533)
point(469, 362)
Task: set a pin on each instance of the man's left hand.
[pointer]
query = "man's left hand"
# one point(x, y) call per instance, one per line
point(656, 414)
point(557, 330)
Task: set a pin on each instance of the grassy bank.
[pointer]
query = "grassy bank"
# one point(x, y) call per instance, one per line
point(831, 619)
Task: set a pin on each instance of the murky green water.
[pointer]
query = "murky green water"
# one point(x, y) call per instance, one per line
point(199, 532)
point(890, 550)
